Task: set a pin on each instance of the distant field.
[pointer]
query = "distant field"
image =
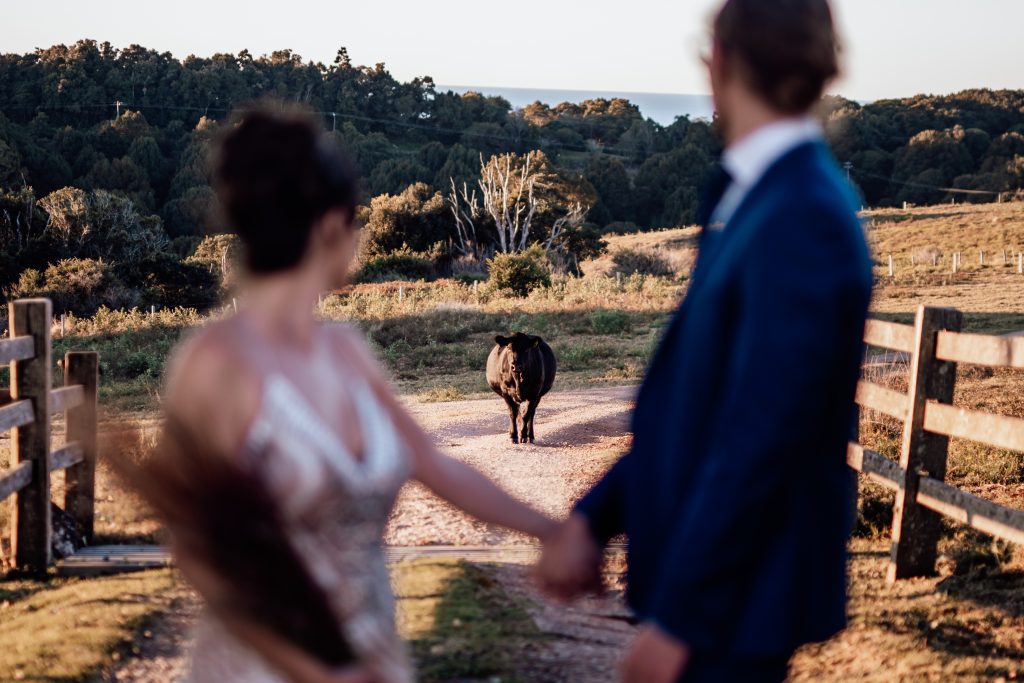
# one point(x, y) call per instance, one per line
point(991, 295)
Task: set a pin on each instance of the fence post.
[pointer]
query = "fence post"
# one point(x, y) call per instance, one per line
point(82, 367)
point(915, 529)
point(30, 380)
point(892, 271)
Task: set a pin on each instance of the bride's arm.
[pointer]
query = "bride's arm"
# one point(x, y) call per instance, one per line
point(453, 480)
point(462, 485)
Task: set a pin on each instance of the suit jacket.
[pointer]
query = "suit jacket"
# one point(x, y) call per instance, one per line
point(736, 497)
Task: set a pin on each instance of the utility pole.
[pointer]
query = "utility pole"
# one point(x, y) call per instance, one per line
point(334, 121)
point(849, 167)
point(117, 106)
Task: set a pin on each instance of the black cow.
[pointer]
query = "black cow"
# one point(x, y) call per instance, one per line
point(521, 369)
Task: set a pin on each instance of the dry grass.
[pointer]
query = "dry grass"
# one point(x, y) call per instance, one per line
point(991, 296)
point(65, 630)
point(460, 623)
point(963, 628)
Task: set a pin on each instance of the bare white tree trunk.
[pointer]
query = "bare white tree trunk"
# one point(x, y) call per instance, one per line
point(573, 219)
point(509, 199)
point(509, 196)
point(465, 208)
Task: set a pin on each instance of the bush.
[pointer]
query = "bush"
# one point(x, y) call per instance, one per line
point(221, 255)
point(643, 261)
point(165, 281)
point(519, 273)
point(75, 285)
point(609, 322)
point(417, 217)
point(403, 264)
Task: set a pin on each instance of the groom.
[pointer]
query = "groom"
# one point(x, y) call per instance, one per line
point(735, 496)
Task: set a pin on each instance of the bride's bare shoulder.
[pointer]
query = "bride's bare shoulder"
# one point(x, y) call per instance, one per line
point(206, 378)
point(349, 341)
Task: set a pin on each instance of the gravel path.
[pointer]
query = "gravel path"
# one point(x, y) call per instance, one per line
point(579, 435)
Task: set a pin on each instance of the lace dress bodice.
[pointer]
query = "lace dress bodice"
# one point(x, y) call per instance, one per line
point(335, 507)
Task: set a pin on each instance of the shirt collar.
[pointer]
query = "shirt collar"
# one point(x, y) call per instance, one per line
point(747, 160)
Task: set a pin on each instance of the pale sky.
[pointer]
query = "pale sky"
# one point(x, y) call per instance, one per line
point(894, 47)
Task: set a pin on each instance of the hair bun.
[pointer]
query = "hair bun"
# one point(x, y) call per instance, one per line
point(277, 173)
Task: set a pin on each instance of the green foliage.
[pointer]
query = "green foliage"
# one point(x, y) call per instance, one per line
point(221, 256)
point(401, 264)
point(164, 280)
point(611, 181)
point(609, 322)
point(519, 273)
point(100, 224)
point(416, 218)
point(76, 285)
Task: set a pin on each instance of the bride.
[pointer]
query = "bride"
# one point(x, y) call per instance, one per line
point(313, 440)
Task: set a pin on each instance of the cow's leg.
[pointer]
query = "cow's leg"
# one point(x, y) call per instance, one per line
point(513, 413)
point(531, 410)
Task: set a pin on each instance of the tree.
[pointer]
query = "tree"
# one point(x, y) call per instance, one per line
point(525, 202)
point(417, 217)
point(611, 181)
point(101, 225)
point(668, 186)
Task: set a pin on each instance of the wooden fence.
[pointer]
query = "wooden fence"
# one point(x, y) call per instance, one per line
point(934, 345)
point(26, 410)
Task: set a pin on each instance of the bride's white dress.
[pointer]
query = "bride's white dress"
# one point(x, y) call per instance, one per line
point(336, 507)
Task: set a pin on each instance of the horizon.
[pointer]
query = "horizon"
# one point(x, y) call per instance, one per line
point(893, 50)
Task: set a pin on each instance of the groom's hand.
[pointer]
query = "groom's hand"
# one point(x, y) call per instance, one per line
point(654, 657)
point(571, 562)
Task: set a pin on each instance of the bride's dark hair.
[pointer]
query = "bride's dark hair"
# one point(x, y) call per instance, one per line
point(276, 172)
point(222, 515)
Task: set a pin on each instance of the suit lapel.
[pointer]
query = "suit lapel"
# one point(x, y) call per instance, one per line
point(715, 243)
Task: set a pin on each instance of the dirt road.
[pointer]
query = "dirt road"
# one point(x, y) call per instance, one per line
point(579, 435)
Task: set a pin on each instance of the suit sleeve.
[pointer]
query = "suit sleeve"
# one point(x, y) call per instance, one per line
point(603, 506)
point(798, 303)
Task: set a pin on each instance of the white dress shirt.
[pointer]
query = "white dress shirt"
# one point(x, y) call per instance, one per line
point(747, 161)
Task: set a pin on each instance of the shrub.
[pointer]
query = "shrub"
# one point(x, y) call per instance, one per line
point(165, 281)
point(609, 322)
point(643, 261)
point(403, 264)
point(519, 273)
point(417, 217)
point(76, 285)
point(220, 255)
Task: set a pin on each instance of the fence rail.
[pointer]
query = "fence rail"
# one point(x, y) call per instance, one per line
point(25, 410)
point(936, 345)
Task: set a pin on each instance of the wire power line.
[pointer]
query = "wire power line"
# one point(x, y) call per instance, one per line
point(327, 114)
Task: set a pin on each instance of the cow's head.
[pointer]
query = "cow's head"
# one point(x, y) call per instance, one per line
point(515, 353)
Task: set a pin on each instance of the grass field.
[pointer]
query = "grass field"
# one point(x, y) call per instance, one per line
point(434, 338)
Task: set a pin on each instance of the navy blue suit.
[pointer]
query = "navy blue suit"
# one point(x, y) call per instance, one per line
point(736, 497)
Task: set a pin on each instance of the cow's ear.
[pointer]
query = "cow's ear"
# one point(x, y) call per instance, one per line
point(501, 341)
point(535, 342)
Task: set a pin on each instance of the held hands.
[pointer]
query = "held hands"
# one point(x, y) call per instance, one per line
point(654, 657)
point(570, 564)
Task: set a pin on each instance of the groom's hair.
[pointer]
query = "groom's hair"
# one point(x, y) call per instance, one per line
point(787, 50)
